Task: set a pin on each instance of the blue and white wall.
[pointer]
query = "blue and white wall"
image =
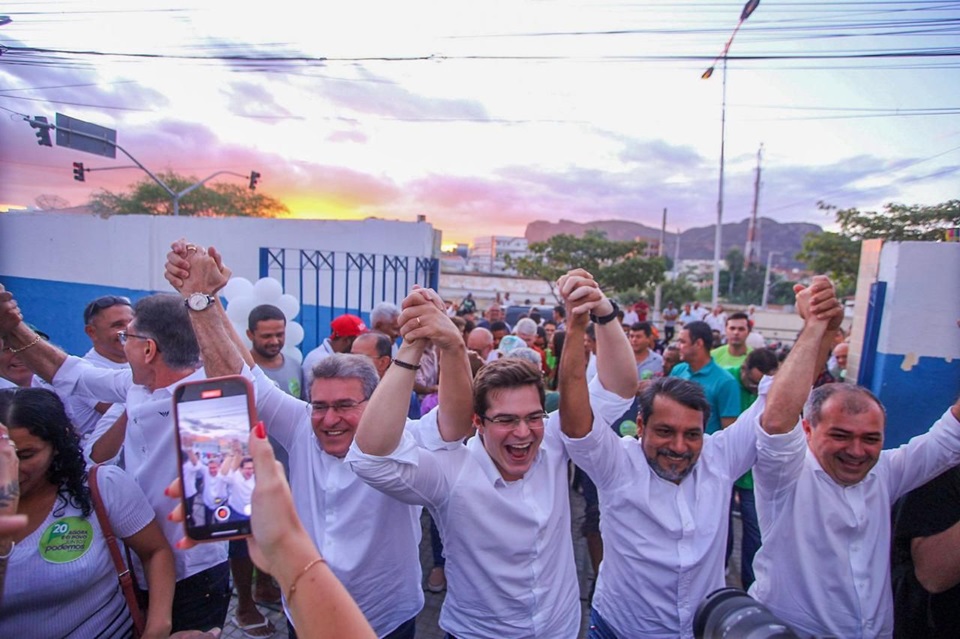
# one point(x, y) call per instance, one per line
point(917, 362)
point(56, 263)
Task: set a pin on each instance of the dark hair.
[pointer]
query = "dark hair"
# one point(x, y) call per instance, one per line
point(559, 310)
point(383, 345)
point(856, 400)
point(642, 326)
point(264, 313)
point(535, 316)
point(762, 359)
point(682, 391)
point(101, 304)
point(739, 316)
point(504, 373)
point(498, 326)
point(700, 331)
point(41, 412)
point(164, 318)
point(347, 366)
point(591, 331)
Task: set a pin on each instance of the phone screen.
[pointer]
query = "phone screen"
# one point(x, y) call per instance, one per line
point(213, 420)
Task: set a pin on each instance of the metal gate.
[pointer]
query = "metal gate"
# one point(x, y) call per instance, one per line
point(331, 283)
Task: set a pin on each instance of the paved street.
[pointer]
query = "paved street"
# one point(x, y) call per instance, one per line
point(427, 627)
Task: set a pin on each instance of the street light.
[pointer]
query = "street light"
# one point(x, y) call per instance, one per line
point(748, 9)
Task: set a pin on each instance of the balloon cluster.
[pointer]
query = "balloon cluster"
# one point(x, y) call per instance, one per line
point(243, 296)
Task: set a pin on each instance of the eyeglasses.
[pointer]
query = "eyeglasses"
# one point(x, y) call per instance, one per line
point(107, 301)
point(534, 421)
point(339, 407)
point(124, 336)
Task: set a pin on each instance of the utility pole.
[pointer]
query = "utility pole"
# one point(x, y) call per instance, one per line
point(659, 291)
point(752, 249)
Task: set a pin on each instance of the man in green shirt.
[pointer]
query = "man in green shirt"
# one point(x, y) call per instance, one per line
point(735, 350)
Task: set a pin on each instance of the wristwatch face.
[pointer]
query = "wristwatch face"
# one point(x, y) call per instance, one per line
point(199, 301)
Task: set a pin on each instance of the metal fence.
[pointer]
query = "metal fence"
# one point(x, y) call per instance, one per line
point(330, 283)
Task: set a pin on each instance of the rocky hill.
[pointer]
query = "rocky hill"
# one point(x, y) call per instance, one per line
point(695, 243)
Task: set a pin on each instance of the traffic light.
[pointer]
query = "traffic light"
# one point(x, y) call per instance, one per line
point(78, 172)
point(43, 130)
point(254, 178)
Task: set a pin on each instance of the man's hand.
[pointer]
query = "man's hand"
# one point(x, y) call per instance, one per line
point(818, 302)
point(582, 295)
point(194, 269)
point(10, 315)
point(424, 318)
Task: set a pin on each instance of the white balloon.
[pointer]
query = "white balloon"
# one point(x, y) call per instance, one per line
point(293, 353)
point(237, 287)
point(290, 306)
point(294, 333)
point(267, 290)
point(238, 310)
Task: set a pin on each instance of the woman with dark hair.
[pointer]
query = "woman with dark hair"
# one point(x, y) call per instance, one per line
point(61, 581)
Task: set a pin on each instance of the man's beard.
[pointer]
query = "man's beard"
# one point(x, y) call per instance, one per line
point(670, 475)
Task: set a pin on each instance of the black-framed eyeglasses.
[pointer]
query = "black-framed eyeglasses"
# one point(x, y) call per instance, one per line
point(534, 421)
point(125, 335)
point(99, 304)
point(339, 407)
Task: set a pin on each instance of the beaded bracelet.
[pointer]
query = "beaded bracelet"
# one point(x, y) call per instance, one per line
point(293, 586)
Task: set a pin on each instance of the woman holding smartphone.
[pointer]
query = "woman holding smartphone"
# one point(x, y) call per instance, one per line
point(60, 579)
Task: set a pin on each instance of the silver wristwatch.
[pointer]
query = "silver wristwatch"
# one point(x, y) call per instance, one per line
point(199, 301)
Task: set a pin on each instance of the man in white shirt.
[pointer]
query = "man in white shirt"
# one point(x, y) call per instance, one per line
point(369, 540)
point(665, 497)
point(501, 502)
point(163, 352)
point(824, 490)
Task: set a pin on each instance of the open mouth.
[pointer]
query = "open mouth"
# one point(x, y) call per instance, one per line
point(519, 452)
point(334, 433)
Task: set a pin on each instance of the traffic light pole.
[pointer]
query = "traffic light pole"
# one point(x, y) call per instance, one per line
point(42, 125)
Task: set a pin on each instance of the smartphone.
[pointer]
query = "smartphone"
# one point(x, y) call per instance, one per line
point(213, 419)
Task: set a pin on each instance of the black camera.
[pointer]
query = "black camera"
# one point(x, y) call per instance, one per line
point(730, 612)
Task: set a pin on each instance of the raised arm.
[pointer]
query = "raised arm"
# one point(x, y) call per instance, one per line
point(576, 416)
point(822, 314)
point(192, 269)
point(616, 366)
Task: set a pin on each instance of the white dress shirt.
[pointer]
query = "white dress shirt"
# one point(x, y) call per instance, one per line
point(663, 543)
point(241, 491)
point(510, 568)
point(824, 566)
point(149, 449)
point(83, 410)
point(370, 541)
point(311, 359)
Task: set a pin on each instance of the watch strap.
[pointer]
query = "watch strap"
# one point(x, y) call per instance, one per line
point(609, 317)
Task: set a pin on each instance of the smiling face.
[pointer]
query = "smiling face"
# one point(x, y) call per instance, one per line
point(103, 328)
point(335, 428)
point(268, 338)
point(513, 450)
point(672, 438)
point(848, 437)
point(35, 456)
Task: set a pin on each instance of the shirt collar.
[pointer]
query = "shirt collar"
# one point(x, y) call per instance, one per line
point(489, 469)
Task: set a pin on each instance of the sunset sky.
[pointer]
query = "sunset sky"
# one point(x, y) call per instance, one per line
point(486, 116)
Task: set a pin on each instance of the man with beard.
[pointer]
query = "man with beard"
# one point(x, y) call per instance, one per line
point(666, 497)
point(266, 328)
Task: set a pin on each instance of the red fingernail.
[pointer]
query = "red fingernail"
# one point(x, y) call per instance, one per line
point(166, 491)
point(259, 431)
point(169, 516)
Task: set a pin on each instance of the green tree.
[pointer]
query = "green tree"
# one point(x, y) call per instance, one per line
point(834, 255)
point(743, 283)
point(898, 222)
point(209, 200)
point(617, 266)
point(838, 254)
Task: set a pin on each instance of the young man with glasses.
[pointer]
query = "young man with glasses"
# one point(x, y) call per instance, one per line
point(501, 502)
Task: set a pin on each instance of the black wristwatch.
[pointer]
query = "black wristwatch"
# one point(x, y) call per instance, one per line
point(609, 317)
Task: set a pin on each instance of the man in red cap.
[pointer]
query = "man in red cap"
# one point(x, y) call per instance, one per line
point(343, 330)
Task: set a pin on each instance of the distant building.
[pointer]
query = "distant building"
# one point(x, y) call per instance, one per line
point(487, 255)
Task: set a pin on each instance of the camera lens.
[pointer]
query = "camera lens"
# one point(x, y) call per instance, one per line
point(730, 612)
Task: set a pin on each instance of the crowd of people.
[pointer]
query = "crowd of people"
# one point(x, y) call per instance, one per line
point(669, 430)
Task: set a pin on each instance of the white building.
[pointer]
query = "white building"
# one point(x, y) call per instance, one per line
point(487, 255)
